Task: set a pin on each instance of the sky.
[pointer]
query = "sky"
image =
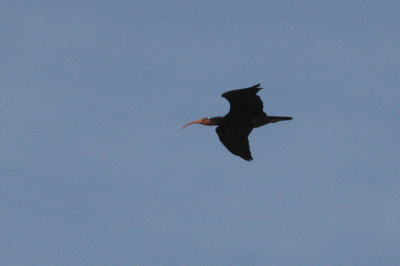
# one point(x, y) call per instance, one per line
point(95, 168)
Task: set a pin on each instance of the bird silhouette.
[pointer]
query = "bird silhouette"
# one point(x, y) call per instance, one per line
point(246, 112)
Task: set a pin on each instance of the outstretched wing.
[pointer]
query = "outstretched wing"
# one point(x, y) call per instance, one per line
point(245, 102)
point(235, 139)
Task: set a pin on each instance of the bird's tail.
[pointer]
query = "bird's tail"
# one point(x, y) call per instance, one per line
point(273, 119)
point(269, 119)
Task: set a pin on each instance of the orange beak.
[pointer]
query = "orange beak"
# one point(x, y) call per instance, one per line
point(203, 121)
point(191, 123)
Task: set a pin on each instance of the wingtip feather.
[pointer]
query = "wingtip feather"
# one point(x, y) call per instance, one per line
point(250, 90)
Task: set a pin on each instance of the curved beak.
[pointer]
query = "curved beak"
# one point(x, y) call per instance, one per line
point(191, 123)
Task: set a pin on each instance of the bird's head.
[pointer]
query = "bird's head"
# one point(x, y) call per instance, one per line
point(204, 121)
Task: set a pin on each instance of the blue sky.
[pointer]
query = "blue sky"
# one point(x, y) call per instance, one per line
point(95, 168)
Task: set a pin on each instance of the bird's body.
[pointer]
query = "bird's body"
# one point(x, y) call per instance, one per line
point(246, 112)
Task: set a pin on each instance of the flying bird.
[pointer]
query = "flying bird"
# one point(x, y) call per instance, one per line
point(246, 112)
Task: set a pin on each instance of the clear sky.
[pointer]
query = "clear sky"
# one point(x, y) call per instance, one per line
point(95, 168)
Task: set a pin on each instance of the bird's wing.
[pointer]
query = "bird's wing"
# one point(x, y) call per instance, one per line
point(245, 101)
point(235, 139)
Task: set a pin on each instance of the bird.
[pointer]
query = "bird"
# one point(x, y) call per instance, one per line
point(245, 114)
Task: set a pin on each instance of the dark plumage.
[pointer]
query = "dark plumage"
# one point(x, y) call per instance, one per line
point(246, 112)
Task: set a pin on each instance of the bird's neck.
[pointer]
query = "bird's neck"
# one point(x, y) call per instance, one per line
point(215, 121)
